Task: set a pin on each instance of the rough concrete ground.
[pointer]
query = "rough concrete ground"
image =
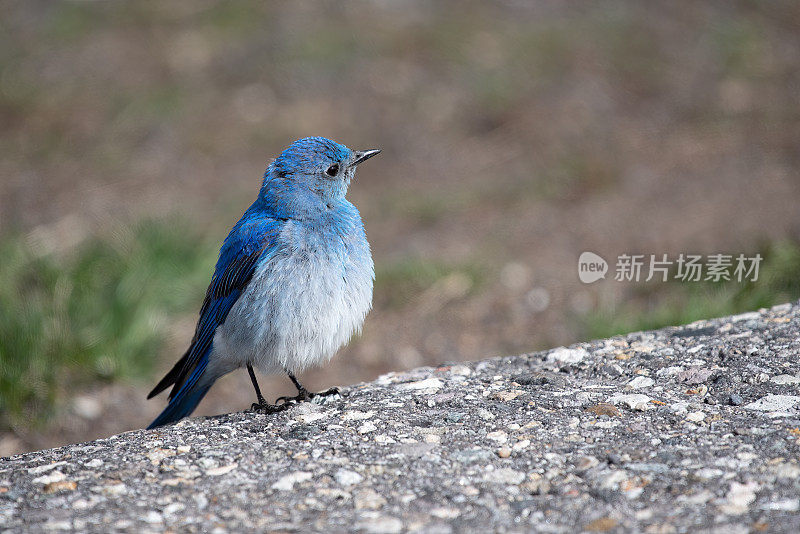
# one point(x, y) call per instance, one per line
point(690, 429)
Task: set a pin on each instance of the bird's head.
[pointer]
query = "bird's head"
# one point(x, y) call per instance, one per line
point(316, 165)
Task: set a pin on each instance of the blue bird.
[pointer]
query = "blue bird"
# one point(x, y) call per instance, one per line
point(292, 284)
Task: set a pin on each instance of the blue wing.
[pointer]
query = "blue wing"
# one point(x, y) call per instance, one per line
point(252, 239)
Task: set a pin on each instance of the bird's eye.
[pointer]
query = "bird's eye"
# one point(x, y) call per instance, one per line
point(333, 170)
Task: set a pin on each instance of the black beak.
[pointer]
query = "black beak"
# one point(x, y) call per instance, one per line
point(364, 155)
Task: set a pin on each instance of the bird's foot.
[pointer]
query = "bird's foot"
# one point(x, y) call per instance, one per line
point(267, 408)
point(324, 397)
point(304, 395)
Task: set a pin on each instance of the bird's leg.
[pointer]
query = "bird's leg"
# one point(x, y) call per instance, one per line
point(303, 394)
point(262, 406)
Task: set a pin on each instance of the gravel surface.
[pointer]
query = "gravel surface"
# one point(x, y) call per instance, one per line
point(691, 429)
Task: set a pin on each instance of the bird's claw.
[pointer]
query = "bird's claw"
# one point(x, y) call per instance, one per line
point(323, 397)
point(266, 408)
point(301, 396)
point(304, 396)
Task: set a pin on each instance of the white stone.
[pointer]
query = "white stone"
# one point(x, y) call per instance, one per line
point(367, 427)
point(345, 477)
point(708, 473)
point(201, 500)
point(57, 525)
point(786, 505)
point(747, 456)
point(55, 476)
point(357, 416)
point(39, 469)
point(565, 355)
point(635, 401)
point(785, 379)
point(207, 463)
point(774, 403)
point(640, 382)
point(152, 517)
point(498, 436)
point(156, 456)
point(287, 482)
point(381, 525)
point(695, 417)
point(669, 371)
point(115, 489)
point(679, 407)
point(504, 476)
point(461, 370)
point(485, 414)
point(633, 493)
point(745, 317)
point(445, 513)
point(173, 508)
point(699, 498)
point(368, 499)
point(522, 444)
point(613, 479)
point(311, 417)
point(787, 470)
point(606, 424)
point(428, 383)
point(217, 471)
point(739, 498)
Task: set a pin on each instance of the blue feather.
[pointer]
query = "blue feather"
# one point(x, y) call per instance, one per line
point(180, 407)
point(249, 242)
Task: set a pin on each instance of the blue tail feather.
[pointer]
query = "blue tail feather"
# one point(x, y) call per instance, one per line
point(180, 406)
point(186, 399)
point(188, 396)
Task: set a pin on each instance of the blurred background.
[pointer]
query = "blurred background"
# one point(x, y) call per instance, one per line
point(515, 136)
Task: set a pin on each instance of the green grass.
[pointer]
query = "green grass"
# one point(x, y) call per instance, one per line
point(739, 44)
point(675, 303)
point(69, 21)
point(99, 313)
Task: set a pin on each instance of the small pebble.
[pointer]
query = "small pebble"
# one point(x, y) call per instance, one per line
point(504, 476)
point(614, 459)
point(640, 382)
point(367, 428)
point(61, 485)
point(522, 445)
point(565, 355)
point(604, 408)
point(345, 477)
point(485, 414)
point(499, 436)
point(695, 417)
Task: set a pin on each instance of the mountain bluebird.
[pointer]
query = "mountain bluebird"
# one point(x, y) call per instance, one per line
point(292, 284)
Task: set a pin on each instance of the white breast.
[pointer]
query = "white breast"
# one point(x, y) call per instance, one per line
point(301, 305)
